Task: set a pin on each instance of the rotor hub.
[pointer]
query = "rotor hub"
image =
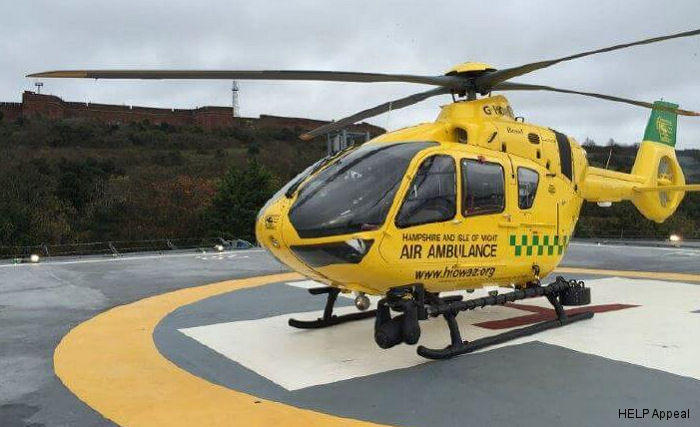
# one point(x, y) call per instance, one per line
point(469, 68)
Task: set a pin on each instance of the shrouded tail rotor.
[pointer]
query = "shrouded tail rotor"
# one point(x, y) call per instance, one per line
point(656, 185)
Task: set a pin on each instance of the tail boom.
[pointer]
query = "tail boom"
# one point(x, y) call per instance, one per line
point(656, 185)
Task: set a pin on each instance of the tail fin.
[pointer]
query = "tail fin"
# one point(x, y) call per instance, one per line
point(662, 124)
point(656, 184)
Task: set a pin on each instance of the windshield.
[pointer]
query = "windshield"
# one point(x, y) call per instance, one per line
point(289, 188)
point(296, 182)
point(354, 193)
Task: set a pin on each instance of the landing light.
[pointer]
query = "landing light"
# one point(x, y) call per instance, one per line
point(219, 248)
point(674, 238)
point(362, 302)
point(34, 258)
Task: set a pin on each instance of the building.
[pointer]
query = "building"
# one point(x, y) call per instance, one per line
point(55, 108)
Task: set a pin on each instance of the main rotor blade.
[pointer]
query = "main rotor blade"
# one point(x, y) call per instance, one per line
point(487, 81)
point(330, 76)
point(371, 112)
point(523, 86)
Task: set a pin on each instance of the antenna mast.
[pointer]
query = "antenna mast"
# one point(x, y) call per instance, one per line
point(234, 99)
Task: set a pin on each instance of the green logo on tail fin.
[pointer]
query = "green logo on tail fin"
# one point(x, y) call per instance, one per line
point(662, 124)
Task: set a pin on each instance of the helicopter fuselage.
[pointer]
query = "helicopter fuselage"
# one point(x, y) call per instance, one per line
point(477, 198)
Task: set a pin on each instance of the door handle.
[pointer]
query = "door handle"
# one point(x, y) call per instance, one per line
point(456, 221)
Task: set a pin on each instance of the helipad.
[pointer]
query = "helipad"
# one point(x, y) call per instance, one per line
point(222, 353)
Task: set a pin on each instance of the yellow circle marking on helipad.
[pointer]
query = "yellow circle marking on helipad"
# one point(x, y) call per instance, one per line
point(111, 363)
point(681, 277)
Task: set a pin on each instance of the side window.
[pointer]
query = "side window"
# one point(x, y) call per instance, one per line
point(483, 188)
point(432, 194)
point(527, 187)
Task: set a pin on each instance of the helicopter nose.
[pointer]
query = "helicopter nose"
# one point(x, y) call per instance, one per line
point(267, 229)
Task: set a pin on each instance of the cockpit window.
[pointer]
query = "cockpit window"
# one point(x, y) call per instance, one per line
point(354, 193)
point(483, 188)
point(527, 187)
point(432, 194)
point(299, 179)
point(292, 186)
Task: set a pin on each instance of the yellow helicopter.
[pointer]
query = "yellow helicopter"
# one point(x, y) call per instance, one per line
point(476, 198)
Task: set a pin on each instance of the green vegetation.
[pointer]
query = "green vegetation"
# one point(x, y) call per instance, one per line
point(77, 180)
point(623, 219)
point(240, 195)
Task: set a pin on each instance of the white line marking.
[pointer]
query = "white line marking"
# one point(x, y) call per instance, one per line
point(313, 357)
point(659, 334)
point(612, 245)
point(117, 259)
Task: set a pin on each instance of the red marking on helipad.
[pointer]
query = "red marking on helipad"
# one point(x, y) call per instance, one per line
point(542, 313)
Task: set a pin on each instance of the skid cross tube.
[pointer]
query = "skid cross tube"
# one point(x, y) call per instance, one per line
point(449, 311)
point(329, 319)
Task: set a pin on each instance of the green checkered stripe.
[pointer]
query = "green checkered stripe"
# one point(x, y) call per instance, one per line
point(538, 245)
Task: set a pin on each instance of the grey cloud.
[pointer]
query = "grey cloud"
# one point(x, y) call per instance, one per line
point(384, 36)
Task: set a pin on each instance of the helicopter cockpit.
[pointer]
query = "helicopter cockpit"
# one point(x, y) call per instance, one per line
point(393, 199)
point(355, 192)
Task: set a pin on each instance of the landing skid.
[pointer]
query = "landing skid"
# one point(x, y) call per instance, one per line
point(462, 347)
point(415, 304)
point(329, 319)
point(558, 293)
point(571, 291)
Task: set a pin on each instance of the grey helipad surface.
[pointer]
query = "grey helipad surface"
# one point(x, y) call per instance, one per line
point(557, 384)
point(529, 384)
point(41, 303)
point(625, 257)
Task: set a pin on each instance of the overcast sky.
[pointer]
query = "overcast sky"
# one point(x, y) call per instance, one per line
point(426, 37)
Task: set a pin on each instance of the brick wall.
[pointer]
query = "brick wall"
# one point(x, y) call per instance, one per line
point(53, 107)
point(10, 110)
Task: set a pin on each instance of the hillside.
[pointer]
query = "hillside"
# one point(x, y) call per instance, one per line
point(78, 180)
point(81, 180)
